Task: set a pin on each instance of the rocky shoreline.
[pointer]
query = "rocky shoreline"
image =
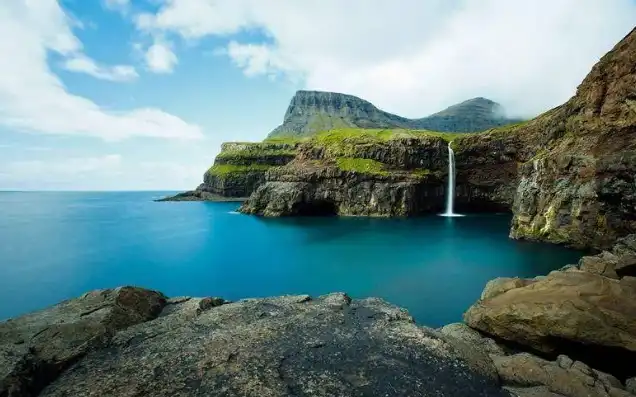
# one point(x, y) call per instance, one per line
point(571, 333)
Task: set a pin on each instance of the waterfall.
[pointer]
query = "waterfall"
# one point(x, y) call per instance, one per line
point(450, 189)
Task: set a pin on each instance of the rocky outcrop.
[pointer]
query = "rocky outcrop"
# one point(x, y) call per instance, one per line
point(133, 342)
point(527, 375)
point(357, 172)
point(238, 170)
point(579, 188)
point(310, 112)
point(36, 348)
point(389, 173)
point(587, 312)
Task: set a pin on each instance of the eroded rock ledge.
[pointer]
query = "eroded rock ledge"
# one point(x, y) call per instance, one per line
point(135, 342)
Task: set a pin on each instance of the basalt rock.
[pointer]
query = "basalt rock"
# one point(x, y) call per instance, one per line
point(579, 187)
point(284, 346)
point(238, 171)
point(357, 172)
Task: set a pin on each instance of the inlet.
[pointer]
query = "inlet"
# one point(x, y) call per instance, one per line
point(450, 188)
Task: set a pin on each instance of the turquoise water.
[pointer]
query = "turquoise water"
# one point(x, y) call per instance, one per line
point(55, 246)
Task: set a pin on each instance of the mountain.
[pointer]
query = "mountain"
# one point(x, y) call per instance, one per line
point(473, 115)
point(312, 111)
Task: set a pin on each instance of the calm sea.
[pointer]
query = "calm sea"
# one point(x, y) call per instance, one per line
point(55, 246)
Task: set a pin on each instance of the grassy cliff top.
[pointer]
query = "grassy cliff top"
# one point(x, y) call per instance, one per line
point(381, 135)
point(227, 169)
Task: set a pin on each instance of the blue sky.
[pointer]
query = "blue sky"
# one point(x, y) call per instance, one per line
point(139, 94)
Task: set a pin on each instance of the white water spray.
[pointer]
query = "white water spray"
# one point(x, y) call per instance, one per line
point(450, 189)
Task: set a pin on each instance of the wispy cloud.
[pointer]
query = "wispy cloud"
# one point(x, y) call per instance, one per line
point(83, 64)
point(33, 98)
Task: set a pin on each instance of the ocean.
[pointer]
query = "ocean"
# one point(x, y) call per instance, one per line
point(58, 245)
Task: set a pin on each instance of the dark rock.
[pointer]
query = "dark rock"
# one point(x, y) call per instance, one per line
point(579, 187)
point(630, 385)
point(238, 170)
point(285, 346)
point(35, 348)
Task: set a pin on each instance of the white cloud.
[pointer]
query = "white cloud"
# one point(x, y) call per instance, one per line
point(160, 58)
point(33, 98)
point(83, 64)
point(117, 5)
point(414, 57)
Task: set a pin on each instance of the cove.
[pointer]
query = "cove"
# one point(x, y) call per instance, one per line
point(59, 245)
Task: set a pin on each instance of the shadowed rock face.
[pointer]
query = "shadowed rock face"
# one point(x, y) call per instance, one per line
point(579, 187)
point(286, 346)
point(310, 112)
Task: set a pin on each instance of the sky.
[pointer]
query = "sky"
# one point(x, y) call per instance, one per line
point(140, 94)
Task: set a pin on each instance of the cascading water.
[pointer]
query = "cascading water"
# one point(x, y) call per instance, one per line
point(450, 189)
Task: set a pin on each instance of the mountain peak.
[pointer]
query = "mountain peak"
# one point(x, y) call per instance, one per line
point(312, 111)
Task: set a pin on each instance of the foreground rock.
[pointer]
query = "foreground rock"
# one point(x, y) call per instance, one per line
point(133, 342)
point(586, 315)
point(35, 348)
point(526, 375)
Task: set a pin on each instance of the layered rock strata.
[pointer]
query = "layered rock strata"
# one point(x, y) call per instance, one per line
point(238, 170)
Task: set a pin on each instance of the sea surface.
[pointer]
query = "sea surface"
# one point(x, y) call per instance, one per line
point(55, 246)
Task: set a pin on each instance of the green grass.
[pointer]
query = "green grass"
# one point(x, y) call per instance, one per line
point(363, 166)
point(227, 169)
point(421, 172)
point(286, 140)
point(379, 135)
point(348, 142)
point(230, 154)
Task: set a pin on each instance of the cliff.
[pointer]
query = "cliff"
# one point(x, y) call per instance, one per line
point(238, 170)
point(378, 173)
point(579, 188)
point(310, 112)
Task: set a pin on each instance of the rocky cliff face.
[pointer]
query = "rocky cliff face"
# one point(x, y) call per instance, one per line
point(238, 170)
point(579, 188)
point(391, 173)
point(358, 172)
point(313, 111)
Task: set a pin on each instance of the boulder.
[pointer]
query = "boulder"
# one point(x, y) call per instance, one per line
point(500, 285)
point(528, 375)
point(35, 348)
point(587, 315)
point(603, 264)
